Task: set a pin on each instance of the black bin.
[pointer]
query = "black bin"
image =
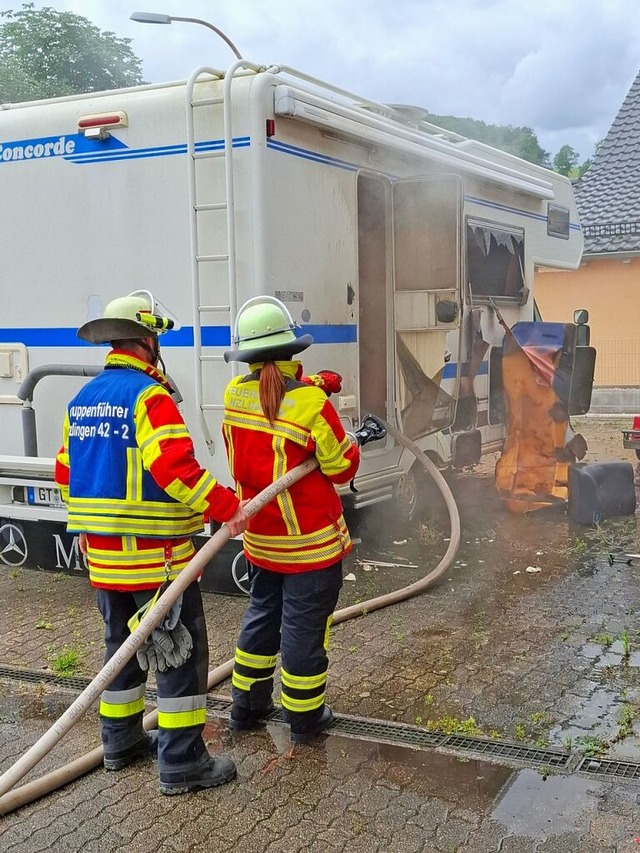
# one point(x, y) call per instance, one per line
point(600, 490)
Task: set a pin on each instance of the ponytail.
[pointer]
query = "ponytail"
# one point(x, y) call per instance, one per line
point(271, 389)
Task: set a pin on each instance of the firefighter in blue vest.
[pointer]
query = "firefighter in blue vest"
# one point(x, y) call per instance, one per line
point(136, 495)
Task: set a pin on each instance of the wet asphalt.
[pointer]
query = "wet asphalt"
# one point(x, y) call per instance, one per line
point(532, 639)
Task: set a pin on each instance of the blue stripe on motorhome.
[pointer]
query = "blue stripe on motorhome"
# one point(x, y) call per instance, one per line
point(164, 149)
point(212, 336)
point(344, 164)
point(157, 151)
point(332, 334)
point(67, 337)
point(136, 155)
point(508, 209)
point(311, 155)
point(451, 370)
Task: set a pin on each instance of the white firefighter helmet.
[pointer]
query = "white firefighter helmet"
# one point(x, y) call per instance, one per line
point(137, 315)
point(264, 331)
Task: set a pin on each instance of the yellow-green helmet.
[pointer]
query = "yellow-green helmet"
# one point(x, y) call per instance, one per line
point(136, 315)
point(264, 331)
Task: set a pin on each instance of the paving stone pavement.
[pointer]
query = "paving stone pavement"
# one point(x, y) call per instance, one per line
point(540, 657)
point(338, 795)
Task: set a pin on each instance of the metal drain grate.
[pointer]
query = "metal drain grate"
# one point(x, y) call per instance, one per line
point(357, 727)
point(508, 751)
point(606, 767)
point(390, 732)
point(214, 703)
point(34, 676)
point(78, 684)
point(396, 733)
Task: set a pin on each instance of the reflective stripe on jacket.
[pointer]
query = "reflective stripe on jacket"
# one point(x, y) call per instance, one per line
point(303, 529)
point(133, 563)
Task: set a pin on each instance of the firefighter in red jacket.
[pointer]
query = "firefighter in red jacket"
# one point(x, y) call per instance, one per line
point(136, 495)
point(274, 420)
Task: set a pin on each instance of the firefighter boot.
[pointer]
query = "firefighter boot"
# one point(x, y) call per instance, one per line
point(121, 758)
point(306, 733)
point(209, 772)
point(244, 719)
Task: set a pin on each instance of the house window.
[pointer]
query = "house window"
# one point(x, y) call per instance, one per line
point(495, 260)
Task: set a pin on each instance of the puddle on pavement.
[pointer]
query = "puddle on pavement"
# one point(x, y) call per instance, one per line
point(536, 807)
point(607, 697)
point(521, 800)
point(461, 782)
point(626, 750)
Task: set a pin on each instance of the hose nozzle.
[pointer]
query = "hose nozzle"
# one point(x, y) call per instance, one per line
point(371, 429)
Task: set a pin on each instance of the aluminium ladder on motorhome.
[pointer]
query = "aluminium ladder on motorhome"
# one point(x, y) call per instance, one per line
point(200, 203)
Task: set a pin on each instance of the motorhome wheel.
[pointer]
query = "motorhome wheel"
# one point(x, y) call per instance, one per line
point(406, 495)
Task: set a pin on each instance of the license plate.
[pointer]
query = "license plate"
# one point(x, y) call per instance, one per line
point(44, 495)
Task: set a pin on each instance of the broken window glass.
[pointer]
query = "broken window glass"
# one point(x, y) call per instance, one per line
point(495, 261)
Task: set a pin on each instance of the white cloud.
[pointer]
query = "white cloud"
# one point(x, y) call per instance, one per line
point(562, 67)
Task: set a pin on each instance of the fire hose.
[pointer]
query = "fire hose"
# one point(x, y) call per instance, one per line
point(56, 779)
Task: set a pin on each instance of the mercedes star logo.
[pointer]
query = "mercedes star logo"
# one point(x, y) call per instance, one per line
point(240, 573)
point(13, 545)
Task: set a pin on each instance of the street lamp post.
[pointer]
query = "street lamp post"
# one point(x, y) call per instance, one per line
point(155, 18)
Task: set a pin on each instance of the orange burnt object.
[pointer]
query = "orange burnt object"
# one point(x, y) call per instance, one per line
point(532, 471)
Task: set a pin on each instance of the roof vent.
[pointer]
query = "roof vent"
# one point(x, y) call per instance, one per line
point(409, 114)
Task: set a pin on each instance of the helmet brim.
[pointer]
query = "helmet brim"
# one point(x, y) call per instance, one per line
point(281, 352)
point(106, 329)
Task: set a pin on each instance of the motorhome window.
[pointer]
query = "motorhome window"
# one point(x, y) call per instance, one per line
point(495, 261)
point(558, 221)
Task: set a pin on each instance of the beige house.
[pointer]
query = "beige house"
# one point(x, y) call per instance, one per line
point(607, 282)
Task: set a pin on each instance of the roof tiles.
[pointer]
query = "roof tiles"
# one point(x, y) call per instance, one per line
point(608, 194)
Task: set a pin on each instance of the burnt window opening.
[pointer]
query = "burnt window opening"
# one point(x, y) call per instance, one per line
point(495, 261)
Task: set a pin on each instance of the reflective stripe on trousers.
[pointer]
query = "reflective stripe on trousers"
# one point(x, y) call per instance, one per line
point(181, 691)
point(290, 613)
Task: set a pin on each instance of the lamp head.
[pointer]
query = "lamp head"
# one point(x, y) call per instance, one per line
point(150, 18)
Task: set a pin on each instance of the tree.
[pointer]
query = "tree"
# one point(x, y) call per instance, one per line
point(45, 53)
point(566, 160)
point(521, 141)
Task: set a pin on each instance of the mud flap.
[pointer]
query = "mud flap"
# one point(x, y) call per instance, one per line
point(466, 448)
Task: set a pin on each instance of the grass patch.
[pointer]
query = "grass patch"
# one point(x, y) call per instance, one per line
point(453, 726)
point(66, 661)
point(604, 640)
point(591, 746)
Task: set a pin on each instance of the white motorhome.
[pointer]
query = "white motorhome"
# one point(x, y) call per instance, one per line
point(389, 239)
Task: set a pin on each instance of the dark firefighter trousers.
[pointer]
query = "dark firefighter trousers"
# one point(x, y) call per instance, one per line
point(289, 613)
point(181, 691)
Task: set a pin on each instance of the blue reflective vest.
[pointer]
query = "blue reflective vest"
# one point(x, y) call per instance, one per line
point(110, 492)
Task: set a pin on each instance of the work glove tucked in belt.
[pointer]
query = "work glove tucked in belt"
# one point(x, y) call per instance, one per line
point(170, 643)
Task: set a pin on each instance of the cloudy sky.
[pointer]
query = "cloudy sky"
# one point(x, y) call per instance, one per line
point(562, 67)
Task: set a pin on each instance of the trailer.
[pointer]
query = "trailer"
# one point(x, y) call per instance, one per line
point(390, 240)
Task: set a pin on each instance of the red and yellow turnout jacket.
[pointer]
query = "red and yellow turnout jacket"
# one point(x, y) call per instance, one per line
point(303, 529)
